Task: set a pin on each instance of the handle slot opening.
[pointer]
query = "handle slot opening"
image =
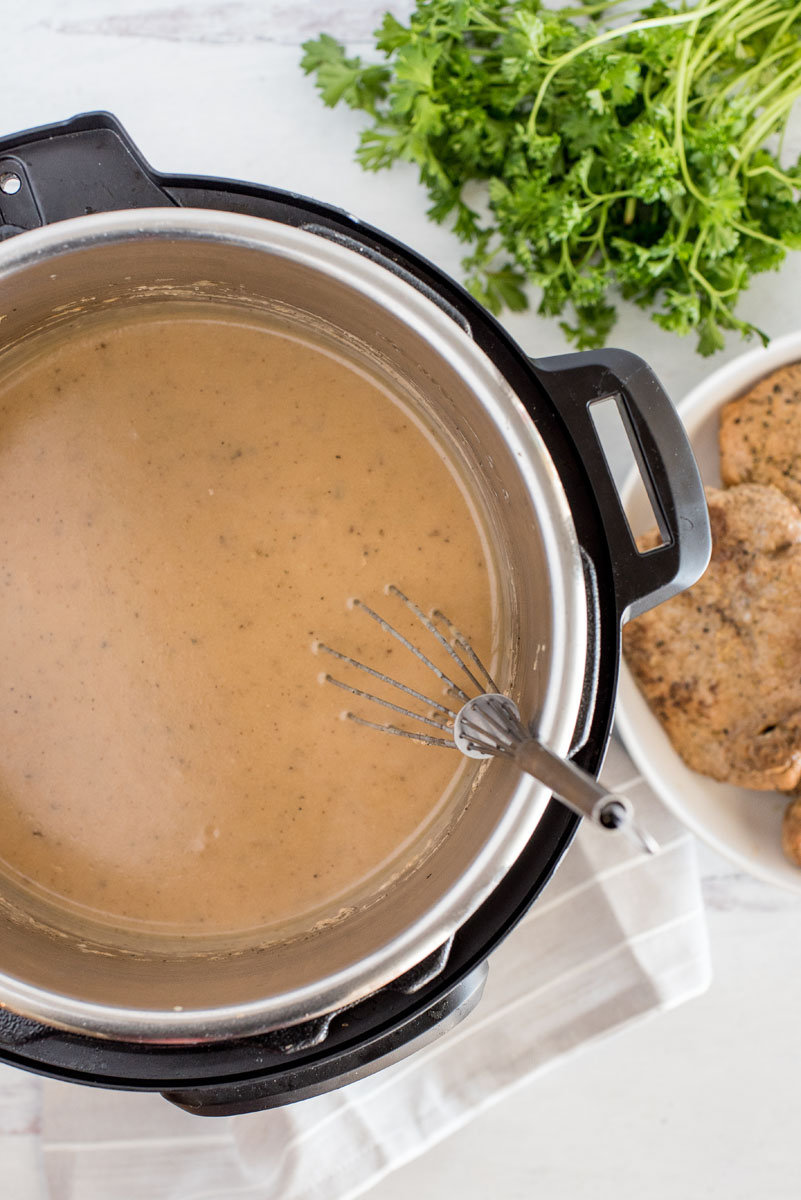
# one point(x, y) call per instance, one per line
point(619, 450)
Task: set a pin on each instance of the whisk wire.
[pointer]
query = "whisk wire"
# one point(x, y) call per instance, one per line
point(443, 641)
point(464, 645)
point(402, 687)
point(416, 651)
point(424, 738)
point(398, 708)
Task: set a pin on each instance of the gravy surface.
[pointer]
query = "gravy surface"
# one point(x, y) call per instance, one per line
point(188, 503)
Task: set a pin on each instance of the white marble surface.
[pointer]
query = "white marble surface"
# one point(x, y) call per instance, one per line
point(698, 1102)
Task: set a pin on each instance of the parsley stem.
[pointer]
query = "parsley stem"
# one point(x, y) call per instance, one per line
point(601, 197)
point(749, 30)
point(684, 228)
point(680, 109)
point(693, 268)
point(610, 35)
point(607, 198)
point(777, 82)
point(483, 24)
point(705, 58)
point(724, 31)
point(752, 232)
point(790, 16)
point(589, 10)
point(764, 126)
point(720, 33)
point(597, 239)
point(715, 296)
point(751, 172)
point(722, 98)
point(728, 21)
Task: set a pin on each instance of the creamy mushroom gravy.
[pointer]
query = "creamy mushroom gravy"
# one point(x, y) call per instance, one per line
point(187, 503)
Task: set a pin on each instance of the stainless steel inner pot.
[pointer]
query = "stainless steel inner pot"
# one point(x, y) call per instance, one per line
point(80, 979)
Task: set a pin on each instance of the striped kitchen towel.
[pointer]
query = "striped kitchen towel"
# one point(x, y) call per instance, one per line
point(615, 936)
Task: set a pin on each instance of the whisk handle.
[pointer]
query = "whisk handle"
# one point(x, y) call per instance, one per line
point(574, 787)
point(665, 461)
point(580, 791)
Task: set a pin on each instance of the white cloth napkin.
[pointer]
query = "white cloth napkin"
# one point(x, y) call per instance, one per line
point(615, 936)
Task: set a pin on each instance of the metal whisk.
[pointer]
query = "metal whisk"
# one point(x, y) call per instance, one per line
point(486, 724)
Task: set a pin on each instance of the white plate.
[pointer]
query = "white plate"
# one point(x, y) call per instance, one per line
point(742, 825)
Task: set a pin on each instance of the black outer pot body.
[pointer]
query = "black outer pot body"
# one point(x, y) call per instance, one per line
point(89, 165)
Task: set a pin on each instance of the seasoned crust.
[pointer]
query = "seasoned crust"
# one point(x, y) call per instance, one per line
point(760, 434)
point(791, 831)
point(720, 664)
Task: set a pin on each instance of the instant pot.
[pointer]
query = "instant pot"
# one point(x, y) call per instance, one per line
point(86, 223)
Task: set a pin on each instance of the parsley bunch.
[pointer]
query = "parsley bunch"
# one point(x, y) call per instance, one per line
point(637, 155)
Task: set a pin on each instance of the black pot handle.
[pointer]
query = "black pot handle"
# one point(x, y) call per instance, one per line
point(666, 462)
point(71, 168)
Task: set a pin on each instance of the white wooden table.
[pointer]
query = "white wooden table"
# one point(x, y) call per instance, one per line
point(700, 1102)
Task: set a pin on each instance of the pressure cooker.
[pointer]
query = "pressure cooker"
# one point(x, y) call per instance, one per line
point(85, 222)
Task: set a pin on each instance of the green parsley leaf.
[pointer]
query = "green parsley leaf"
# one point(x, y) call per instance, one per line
point(341, 78)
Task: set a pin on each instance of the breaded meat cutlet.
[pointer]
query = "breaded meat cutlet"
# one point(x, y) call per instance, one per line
point(760, 434)
point(720, 664)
